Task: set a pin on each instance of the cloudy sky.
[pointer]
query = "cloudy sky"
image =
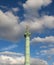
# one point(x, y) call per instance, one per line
point(14, 16)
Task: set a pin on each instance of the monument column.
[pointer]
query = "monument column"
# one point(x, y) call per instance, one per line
point(27, 47)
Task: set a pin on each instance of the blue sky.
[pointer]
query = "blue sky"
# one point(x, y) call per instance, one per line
point(14, 16)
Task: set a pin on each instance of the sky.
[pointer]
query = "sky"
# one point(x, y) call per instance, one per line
point(14, 16)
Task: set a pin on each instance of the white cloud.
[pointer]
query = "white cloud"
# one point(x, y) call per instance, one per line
point(9, 47)
point(36, 3)
point(15, 9)
point(49, 39)
point(31, 16)
point(9, 58)
point(43, 47)
point(37, 61)
point(39, 24)
point(9, 26)
point(48, 21)
point(11, 53)
point(53, 63)
point(12, 28)
point(32, 6)
point(48, 52)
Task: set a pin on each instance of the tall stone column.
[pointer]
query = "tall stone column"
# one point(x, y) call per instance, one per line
point(27, 47)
